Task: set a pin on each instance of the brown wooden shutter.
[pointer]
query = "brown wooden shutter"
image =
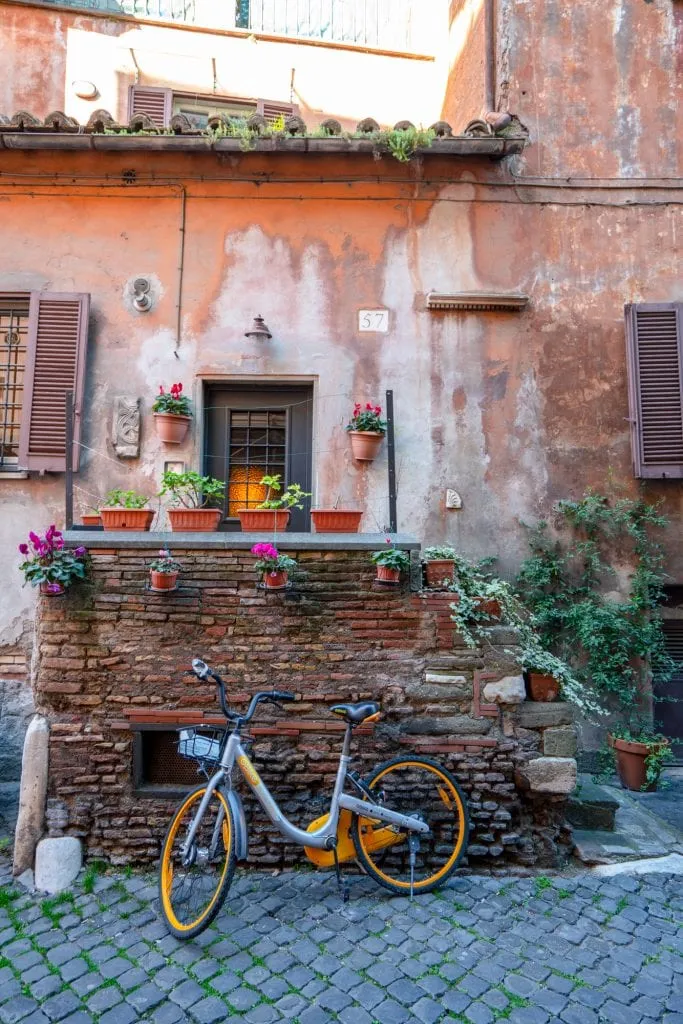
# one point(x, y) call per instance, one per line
point(654, 350)
point(271, 110)
point(55, 364)
point(156, 102)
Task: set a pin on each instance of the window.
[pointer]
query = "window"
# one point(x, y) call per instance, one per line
point(384, 23)
point(254, 430)
point(668, 710)
point(13, 337)
point(158, 768)
point(43, 337)
point(160, 104)
point(654, 349)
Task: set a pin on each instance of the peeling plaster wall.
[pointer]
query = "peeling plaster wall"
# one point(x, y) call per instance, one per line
point(598, 83)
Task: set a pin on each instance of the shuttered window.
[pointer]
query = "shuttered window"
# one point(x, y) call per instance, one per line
point(273, 111)
point(14, 310)
point(55, 364)
point(156, 102)
point(654, 347)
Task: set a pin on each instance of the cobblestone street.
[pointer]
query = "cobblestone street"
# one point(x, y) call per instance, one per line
point(580, 950)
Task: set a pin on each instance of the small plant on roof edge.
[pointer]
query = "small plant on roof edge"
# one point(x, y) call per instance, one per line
point(173, 402)
point(368, 419)
point(190, 489)
point(118, 498)
point(47, 561)
point(292, 496)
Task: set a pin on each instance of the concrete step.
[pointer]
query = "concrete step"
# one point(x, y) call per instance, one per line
point(591, 807)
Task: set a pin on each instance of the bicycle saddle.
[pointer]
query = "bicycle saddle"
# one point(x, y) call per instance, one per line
point(356, 713)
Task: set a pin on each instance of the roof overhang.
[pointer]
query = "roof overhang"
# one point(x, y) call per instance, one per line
point(477, 301)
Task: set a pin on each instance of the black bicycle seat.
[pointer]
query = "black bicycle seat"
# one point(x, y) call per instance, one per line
point(356, 713)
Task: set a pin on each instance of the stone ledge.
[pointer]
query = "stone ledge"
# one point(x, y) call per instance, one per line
point(116, 540)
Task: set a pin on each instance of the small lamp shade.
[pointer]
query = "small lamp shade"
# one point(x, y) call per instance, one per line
point(258, 330)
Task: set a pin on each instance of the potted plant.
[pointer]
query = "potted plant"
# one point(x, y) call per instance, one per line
point(172, 414)
point(190, 492)
point(272, 513)
point(439, 565)
point(91, 518)
point(640, 755)
point(163, 571)
point(49, 565)
point(366, 430)
point(273, 567)
point(336, 520)
point(390, 562)
point(125, 510)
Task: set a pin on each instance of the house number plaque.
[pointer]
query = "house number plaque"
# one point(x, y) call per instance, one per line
point(373, 320)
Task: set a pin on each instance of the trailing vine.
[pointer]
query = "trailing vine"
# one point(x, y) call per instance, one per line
point(593, 582)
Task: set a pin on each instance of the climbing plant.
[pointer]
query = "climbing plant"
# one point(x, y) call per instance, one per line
point(593, 582)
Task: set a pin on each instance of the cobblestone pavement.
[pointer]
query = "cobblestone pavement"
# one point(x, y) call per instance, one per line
point(581, 950)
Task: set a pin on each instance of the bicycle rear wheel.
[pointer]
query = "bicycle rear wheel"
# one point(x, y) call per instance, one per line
point(192, 887)
point(413, 785)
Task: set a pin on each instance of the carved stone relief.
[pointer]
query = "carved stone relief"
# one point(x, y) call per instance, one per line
point(125, 430)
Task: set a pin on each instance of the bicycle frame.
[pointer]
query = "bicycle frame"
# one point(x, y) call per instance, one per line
point(323, 838)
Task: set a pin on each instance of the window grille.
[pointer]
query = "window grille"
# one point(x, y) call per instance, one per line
point(158, 762)
point(377, 23)
point(257, 445)
point(14, 310)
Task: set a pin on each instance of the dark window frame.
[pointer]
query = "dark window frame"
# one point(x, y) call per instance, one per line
point(298, 397)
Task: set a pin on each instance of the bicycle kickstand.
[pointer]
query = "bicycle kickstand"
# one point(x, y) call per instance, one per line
point(342, 885)
point(413, 847)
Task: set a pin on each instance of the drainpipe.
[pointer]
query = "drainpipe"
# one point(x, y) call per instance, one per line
point(181, 267)
point(489, 56)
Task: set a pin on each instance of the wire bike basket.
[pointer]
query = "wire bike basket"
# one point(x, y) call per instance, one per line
point(203, 747)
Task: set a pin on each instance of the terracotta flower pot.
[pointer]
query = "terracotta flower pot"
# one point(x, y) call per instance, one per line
point(437, 570)
point(127, 518)
point(365, 444)
point(491, 608)
point(263, 520)
point(172, 429)
point(162, 580)
point(387, 575)
point(93, 519)
point(542, 687)
point(631, 763)
point(52, 589)
point(275, 580)
point(335, 520)
point(194, 520)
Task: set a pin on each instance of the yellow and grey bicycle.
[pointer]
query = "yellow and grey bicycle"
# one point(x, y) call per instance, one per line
point(406, 823)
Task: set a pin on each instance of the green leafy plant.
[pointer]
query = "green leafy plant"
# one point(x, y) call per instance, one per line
point(292, 496)
point(47, 561)
point(235, 128)
point(190, 489)
point(439, 553)
point(391, 557)
point(172, 401)
point(269, 559)
point(165, 562)
point(117, 498)
point(613, 640)
point(368, 419)
point(403, 143)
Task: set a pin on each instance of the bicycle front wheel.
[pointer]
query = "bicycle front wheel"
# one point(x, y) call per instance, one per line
point(193, 883)
point(421, 787)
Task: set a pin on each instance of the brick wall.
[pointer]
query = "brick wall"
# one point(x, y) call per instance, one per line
point(112, 658)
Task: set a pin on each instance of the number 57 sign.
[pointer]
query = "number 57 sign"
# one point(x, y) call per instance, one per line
point(375, 320)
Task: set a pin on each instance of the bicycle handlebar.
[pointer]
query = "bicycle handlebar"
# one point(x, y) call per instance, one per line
point(202, 671)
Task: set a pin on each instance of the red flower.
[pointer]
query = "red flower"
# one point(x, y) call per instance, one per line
point(378, 410)
point(161, 389)
point(356, 409)
point(369, 406)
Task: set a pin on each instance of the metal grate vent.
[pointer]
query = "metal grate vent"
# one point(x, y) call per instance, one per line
point(162, 765)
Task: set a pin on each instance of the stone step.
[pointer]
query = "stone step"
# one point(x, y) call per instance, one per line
point(592, 846)
point(591, 806)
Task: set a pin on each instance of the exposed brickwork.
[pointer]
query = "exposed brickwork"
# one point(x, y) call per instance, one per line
point(113, 658)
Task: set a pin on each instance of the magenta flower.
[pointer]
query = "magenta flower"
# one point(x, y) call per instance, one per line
point(23, 548)
point(54, 588)
point(79, 552)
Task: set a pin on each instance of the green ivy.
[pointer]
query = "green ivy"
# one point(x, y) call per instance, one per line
point(604, 626)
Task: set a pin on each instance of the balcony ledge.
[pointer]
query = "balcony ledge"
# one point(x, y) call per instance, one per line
point(227, 541)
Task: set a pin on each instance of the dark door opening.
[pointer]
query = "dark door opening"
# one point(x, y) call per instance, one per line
point(256, 429)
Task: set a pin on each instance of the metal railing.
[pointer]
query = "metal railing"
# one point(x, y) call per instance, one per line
point(382, 24)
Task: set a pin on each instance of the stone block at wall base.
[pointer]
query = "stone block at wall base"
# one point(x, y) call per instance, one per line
point(508, 690)
point(548, 775)
point(538, 715)
point(33, 793)
point(58, 862)
point(559, 742)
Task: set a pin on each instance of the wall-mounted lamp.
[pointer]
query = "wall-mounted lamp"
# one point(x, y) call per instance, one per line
point(258, 330)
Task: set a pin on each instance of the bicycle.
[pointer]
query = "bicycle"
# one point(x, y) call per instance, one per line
point(406, 826)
